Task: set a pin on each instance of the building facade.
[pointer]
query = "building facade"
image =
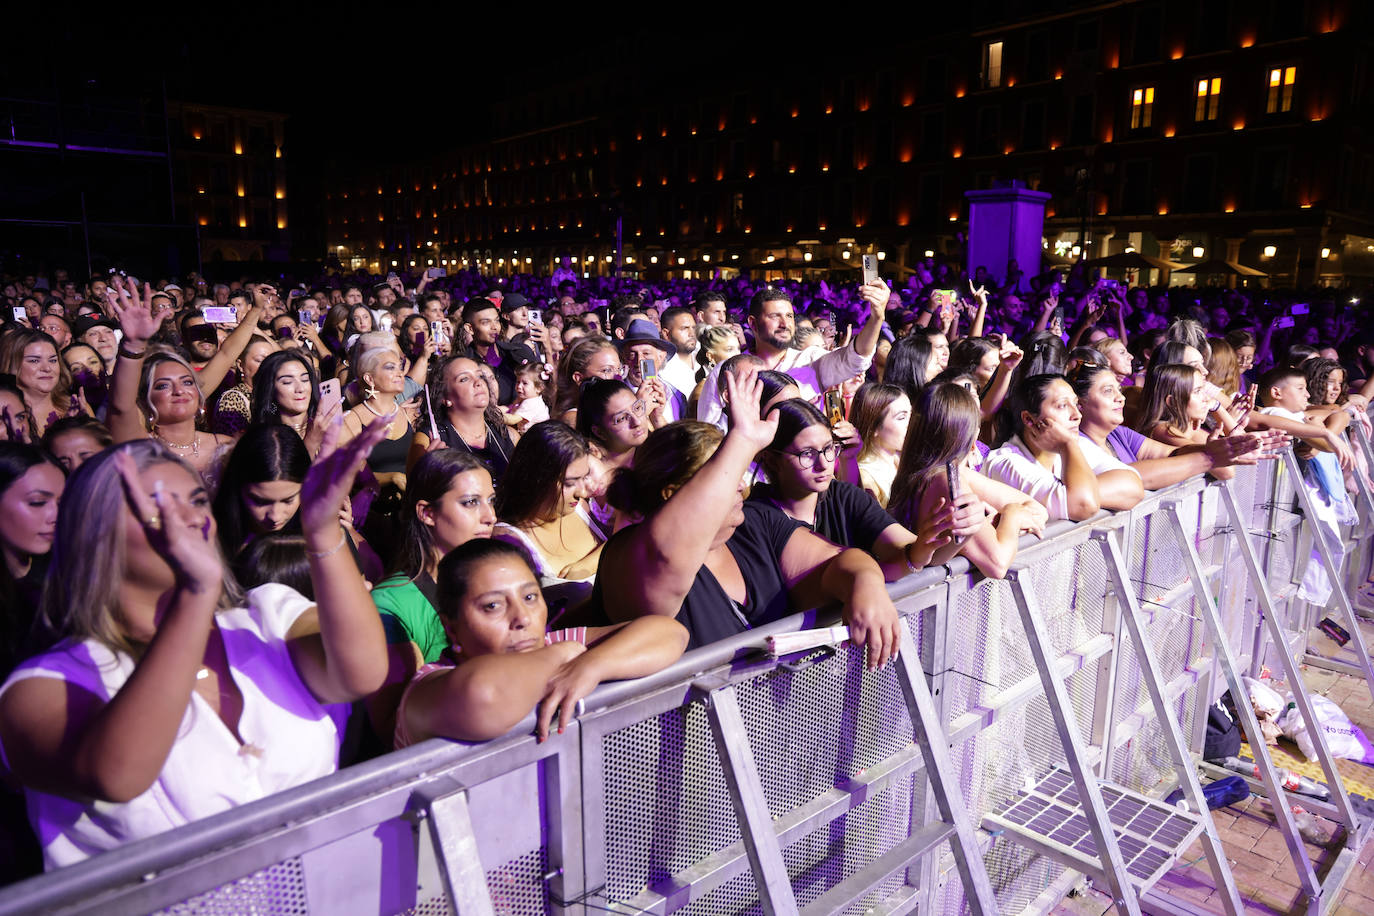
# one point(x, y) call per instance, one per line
point(229, 179)
point(1196, 130)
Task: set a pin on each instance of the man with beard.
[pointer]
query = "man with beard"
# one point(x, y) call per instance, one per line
point(680, 330)
point(814, 369)
point(199, 338)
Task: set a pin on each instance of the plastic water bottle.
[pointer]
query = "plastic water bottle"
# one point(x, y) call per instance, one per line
point(1294, 782)
point(1308, 827)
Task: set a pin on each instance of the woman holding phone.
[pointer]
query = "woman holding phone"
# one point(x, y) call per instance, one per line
point(457, 417)
point(286, 390)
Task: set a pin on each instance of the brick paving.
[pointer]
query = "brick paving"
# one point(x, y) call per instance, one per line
point(1259, 859)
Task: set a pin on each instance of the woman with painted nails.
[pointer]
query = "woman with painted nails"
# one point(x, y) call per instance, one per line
point(174, 695)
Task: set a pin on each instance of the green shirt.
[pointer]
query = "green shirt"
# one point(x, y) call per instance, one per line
point(408, 616)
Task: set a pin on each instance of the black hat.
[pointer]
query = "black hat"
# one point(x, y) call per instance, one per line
point(513, 301)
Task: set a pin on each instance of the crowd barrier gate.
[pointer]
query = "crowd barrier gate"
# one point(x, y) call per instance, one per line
point(736, 783)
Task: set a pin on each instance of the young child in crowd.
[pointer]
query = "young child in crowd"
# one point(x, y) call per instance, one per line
point(529, 406)
point(1283, 394)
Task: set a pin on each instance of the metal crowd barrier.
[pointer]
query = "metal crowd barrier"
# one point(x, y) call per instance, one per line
point(736, 783)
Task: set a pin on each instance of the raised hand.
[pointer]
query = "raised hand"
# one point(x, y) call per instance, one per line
point(136, 317)
point(876, 294)
point(327, 484)
point(1009, 353)
point(744, 390)
point(179, 532)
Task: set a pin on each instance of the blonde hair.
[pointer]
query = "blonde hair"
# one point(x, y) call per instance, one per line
point(156, 357)
point(371, 358)
point(81, 592)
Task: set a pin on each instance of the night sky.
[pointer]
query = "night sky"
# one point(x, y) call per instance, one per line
point(376, 71)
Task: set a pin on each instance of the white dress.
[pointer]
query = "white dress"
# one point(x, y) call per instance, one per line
point(289, 737)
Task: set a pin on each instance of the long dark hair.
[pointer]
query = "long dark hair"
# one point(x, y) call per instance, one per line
point(428, 481)
point(539, 463)
point(264, 408)
point(267, 452)
point(17, 611)
point(591, 403)
point(944, 426)
point(907, 362)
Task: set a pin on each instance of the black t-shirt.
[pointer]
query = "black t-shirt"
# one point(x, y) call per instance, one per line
point(845, 514)
point(708, 612)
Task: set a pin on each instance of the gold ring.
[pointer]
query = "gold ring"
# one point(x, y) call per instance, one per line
point(153, 522)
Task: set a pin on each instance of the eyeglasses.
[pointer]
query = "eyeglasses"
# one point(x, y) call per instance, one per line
point(620, 419)
point(807, 457)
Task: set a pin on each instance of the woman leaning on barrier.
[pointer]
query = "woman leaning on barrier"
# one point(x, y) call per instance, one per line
point(1047, 459)
point(503, 662)
point(175, 696)
point(1101, 401)
point(941, 435)
point(800, 462)
point(720, 567)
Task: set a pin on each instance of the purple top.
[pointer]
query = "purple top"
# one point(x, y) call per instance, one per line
point(1125, 444)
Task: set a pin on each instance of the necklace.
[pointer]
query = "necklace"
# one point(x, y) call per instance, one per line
point(490, 439)
point(395, 409)
point(193, 447)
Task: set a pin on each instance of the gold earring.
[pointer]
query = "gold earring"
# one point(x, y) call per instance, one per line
point(371, 392)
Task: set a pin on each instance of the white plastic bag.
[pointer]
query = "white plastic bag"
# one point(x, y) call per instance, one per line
point(1267, 701)
point(1335, 726)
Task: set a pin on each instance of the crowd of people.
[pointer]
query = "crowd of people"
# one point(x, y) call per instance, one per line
point(256, 531)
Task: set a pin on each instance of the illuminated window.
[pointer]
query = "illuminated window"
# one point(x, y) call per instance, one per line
point(1208, 99)
point(1142, 107)
point(992, 64)
point(1281, 80)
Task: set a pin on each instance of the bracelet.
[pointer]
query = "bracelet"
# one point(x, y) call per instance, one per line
point(906, 556)
point(343, 539)
point(131, 354)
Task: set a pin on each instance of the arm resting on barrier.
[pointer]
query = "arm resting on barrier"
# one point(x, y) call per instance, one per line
point(1317, 435)
point(817, 572)
point(487, 696)
point(1120, 489)
point(651, 568)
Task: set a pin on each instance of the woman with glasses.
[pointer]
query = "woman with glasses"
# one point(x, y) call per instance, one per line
point(720, 566)
point(590, 357)
point(614, 418)
point(800, 462)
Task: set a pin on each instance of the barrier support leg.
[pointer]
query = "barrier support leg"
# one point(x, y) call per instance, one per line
point(746, 793)
point(1309, 887)
point(1114, 866)
point(930, 735)
point(1129, 613)
point(455, 846)
point(1364, 664)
